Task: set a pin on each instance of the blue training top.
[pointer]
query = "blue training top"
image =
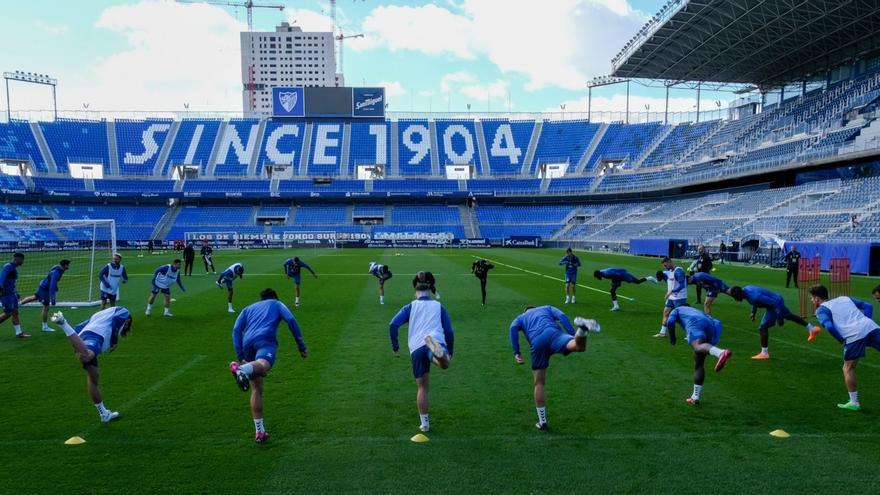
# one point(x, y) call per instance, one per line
point(50, 283)
point(616, 274)
point(292, 268)
point(760, 297)
point(259, 322)
point(534, 321)
point(571, 263)
point(8, 277)
point(709, 282)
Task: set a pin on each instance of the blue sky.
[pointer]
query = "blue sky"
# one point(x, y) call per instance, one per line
point(491, 54)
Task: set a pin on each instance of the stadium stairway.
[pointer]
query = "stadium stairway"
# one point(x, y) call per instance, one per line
point(291, 216)
point(700, 142)
point(585, 158)
point(344, 165)
point(304, 156)
point(215, 150)
point(621, 219)
point(388, 220)
point(481, 147)
point(90, 184)
point(166, 222)
point(255, 158)
point(394, 169)
point(44, 148)
point(111, 143)
point(349, 214)
point(469, 222)
point(178, 186)
point(667, 130)
point(166, 149)
point(435, 149)
point(533, 147)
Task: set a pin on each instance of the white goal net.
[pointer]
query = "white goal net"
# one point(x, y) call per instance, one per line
point(88, 244)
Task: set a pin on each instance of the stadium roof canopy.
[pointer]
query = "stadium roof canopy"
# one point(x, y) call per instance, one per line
point(767, 43)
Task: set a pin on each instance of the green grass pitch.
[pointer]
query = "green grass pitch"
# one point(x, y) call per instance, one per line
point(341, 420)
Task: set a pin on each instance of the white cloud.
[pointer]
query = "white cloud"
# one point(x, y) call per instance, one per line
point(52, 28)
point(562, 43)
point(392, 88)
point(454, 79)
point(494, 91)
point(426, 93)
point(173, 53)
point(309, 20)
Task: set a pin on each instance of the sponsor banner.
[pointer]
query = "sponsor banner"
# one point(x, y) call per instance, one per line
point(388, 243)
point(434, 237)
point(263, 239)
point(288, 102)
point(368, 102)
point(13, 191)
point(522, 241)
point(471, 243)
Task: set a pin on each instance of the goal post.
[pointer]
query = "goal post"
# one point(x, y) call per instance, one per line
point(87, 244)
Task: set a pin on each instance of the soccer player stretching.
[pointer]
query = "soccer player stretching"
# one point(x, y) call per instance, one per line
point(97, 335)
point(545, 338)
point(163, 278)
point(676, 290)
point(703, 333)
point(383, 273)
point(9, 295)
point(226, 278)
point(292, 268)
point(255, 339)
point(111, 276)
point(47, 290)
point(713, 286)
point(430, 340)
point(777, 313)
point(618, 276)
point(207, 253)
point(849, 321)
point(571, 263)
point(480, 269)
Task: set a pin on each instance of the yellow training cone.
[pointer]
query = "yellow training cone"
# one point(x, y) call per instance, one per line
point(74, 441)
point(779, 434)
point(420, 438)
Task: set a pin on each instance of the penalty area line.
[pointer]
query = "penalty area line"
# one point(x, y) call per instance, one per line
point(558, 279)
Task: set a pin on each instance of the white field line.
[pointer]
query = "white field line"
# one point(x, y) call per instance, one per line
point(557, 279)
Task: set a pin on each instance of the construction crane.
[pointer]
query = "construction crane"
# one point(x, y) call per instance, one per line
point(249, 5)
point(342, 37)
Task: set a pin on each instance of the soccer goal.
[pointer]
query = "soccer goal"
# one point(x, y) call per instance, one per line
point(88, 244)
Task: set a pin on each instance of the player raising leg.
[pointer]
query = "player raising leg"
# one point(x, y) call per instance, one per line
point(618, 276)
point(676, 290)
point(776, 313)
point(47, 290)
point(89, 339)
point(480, 269)
point(703, 333)
point(226, 278)
point(539, 325)
point(207, 253)
point(713, 286)
point(255, 340)
point(430, 340)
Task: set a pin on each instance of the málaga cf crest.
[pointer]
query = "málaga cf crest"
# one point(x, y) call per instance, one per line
point(288, 100)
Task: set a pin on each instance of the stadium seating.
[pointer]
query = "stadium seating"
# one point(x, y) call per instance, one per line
point(237, 147)
point(506, 145)
point(77, 141)
point(17, 142)
point(193, 144)
point(563, 142)
point(364, 150)
point(457, 140)
point(416, 150)
point(138, 143)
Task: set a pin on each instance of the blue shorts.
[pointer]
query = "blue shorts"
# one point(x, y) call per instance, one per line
point(42, 296)
point(550, 341)
point(571, 278)
point(106, 296)
point(227, 282)
point(296, 278)
point(93, 343)
point(267, 350)
point(421, 360)
point(9, 302)
point(676, 303)
point(157, 290)
point(713, 292)
point(771, 317)
point(708, 334)
point(856, 350)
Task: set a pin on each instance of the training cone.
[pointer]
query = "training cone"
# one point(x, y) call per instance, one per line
point(779, 434)
point(420, 438)
point(74, 441)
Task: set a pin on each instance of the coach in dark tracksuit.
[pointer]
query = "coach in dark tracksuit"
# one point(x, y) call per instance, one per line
point(189, 256)
point(703, 264)
point(792, 263)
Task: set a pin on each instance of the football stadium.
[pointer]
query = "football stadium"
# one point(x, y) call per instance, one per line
point(701, 283)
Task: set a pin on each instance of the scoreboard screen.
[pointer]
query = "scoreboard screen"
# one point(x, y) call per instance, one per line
point(328, 102)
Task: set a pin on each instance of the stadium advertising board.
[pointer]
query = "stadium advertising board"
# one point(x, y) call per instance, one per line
point(288, 102)
point(522, 241)
point(328, 102)
point(270, 239)
point(368, 102)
